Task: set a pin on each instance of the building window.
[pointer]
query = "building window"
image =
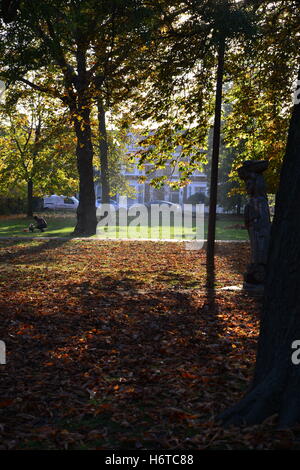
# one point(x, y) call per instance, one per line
point(174, 196)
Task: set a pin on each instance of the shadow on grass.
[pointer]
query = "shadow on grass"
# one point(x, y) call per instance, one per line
point(31, 251)
point(139, 368)
point(211, 288)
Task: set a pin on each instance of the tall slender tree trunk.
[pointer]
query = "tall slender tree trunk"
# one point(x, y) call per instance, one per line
point(238, 206)
point(103, 145)
point(210, 253)
point(276, 383)
point(35, 153)
point(29, 198)
point(147, 192)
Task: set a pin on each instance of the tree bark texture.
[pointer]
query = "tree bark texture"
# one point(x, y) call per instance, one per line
point(86, 211)
point(29, 198)
point(276, 383)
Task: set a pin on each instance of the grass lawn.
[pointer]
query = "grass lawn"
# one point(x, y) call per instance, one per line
point(118, 345)
point(59, 225)
point(62, 224)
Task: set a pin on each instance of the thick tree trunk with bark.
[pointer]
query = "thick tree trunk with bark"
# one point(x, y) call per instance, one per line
point(276, 384)
point(29, 198)
point(103, 146)
point(80, 107)
point(210, 251)
point(86, 211)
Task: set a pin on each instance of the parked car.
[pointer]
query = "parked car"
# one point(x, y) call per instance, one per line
point(151, 203)
point(55, 202)
point(135, 207)
point(173, 205)
point(111, 201)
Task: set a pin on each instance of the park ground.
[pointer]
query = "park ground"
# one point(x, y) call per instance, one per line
point(229, 227)
point(119, 345)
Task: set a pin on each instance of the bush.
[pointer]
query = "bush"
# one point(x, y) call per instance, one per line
point(197, 198)
point(12, 205)
point(37, 203)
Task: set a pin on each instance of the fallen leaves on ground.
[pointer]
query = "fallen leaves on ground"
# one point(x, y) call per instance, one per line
point(119, 345)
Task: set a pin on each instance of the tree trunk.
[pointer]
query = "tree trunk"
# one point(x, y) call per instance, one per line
point(86, 211)
point(238, 206)
point(276, 382)
point(210, 252)
point(35, 153)
point(29, 198)
point(105, 186)
point(80, 108)
point(147, 192)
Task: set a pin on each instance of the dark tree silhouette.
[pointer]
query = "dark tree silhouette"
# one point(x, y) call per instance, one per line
point(215, 158)
point(276, 383)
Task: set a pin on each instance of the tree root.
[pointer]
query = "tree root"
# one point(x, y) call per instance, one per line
point(278, 394)
point(260, 403)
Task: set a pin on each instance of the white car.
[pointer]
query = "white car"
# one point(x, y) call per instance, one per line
point(55, 202)
point(111, 201)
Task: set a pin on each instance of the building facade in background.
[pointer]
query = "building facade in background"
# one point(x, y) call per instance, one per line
point(144, 192)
